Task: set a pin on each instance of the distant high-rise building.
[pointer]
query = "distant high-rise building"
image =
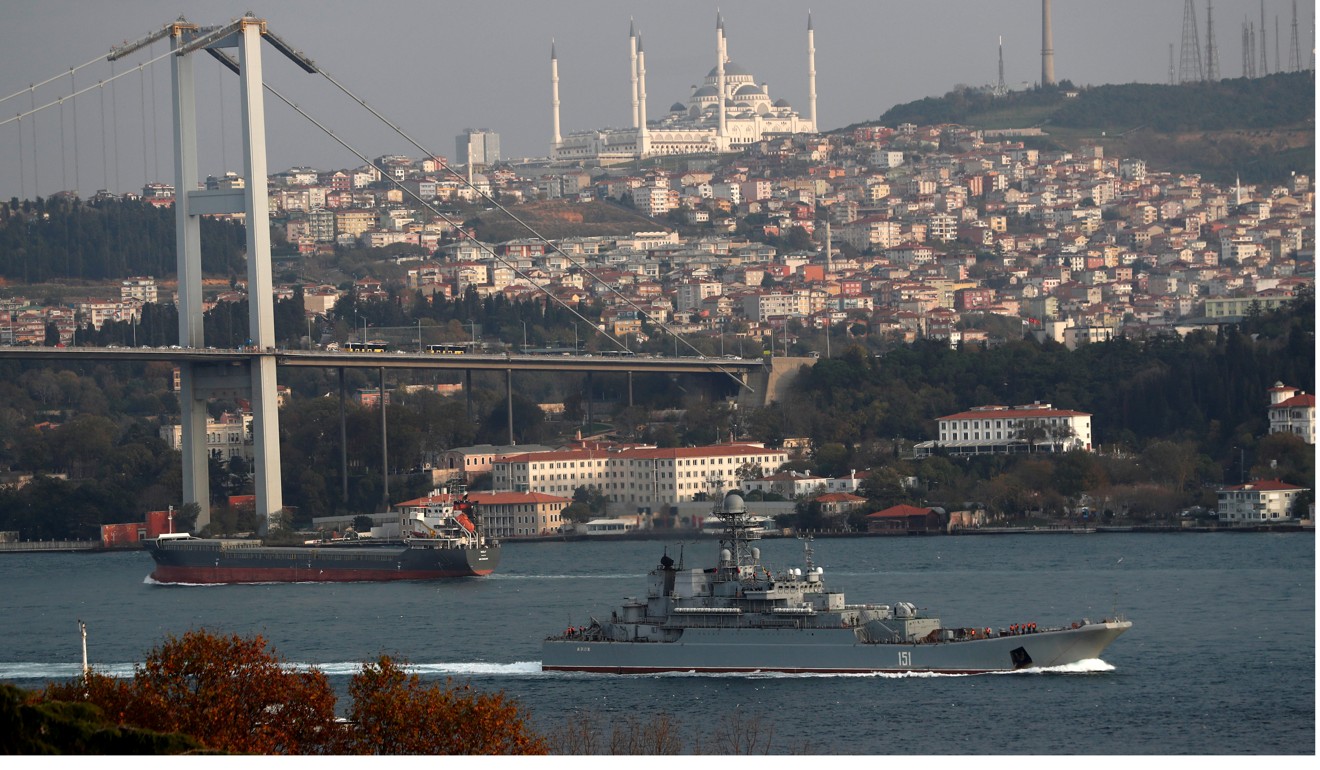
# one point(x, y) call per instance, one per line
point(480, 147)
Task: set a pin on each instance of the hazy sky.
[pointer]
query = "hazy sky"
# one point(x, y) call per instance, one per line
point(437, 67)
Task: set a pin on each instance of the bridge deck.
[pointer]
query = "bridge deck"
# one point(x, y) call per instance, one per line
point(397, 360)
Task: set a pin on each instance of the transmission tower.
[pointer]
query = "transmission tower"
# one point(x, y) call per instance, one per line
point(1211, 47)
point(1277, 66)
point(1294, 48)
point(1189, 66)
point(1264, 43)
point(1248, 52)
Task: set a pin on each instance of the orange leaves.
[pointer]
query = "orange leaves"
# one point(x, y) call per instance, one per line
point(396, 713)
point(236, 695)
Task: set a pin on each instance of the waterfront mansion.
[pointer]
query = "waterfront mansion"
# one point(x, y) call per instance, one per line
point(1032, 427)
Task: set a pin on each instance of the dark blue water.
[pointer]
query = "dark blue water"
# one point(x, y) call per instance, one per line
point(1221, 659)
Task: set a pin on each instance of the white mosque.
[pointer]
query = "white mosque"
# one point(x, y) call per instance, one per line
point(706, 124)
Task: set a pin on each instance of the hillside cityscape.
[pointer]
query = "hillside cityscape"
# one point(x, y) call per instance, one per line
point(848, 254)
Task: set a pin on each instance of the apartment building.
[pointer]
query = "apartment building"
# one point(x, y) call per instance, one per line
point(1257, 502)
point(638, 476)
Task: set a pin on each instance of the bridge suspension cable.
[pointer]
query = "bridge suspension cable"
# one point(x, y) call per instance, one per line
point(34, 86)
point(309, 66)
point(60, 100)
point(512, 266)
point(491, 200)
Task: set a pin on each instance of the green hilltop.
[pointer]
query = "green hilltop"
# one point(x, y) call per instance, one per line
point(1260, 129)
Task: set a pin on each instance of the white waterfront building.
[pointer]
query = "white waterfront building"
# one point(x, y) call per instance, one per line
point(644, 476)
point(1011, 429)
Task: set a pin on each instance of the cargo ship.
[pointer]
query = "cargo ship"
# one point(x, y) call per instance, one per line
point(739, 617)
point(442, 540)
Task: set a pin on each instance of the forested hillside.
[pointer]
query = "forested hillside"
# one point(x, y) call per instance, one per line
point(60, 238)
point(1258, 128)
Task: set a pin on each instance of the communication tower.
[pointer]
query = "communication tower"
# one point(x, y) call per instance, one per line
point(1189, 66)
point(1264, 43)
point(1211, 46)
point(1294, 47)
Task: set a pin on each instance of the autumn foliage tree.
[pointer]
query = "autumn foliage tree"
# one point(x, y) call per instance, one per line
point(232, 694)
point(236, 695)
point(394, 712)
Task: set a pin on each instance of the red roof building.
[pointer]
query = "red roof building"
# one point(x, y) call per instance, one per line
point(904, 518)
point(1292, 411)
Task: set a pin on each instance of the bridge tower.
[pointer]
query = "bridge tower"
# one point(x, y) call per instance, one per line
point(254, 379)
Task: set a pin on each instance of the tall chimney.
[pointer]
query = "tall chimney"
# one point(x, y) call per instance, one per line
point(829, 251)
point(1046, 46)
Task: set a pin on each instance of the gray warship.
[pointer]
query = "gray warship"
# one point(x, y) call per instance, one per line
point(739, 617)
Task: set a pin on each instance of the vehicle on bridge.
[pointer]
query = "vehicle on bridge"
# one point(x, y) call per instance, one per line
point(371, 346)
point(454, 348)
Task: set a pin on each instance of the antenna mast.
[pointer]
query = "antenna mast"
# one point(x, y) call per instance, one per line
point(1264, 43)
point(1189, 66)
point(1211, 47)
point(1294, 47)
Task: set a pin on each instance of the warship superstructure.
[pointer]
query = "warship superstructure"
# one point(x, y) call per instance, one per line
point(740, 617)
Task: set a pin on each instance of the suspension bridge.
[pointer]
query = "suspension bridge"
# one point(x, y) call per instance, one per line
point(206, 373)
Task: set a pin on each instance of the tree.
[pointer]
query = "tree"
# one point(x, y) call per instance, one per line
point(396, 713)
point(232, 694)
point(34, 724)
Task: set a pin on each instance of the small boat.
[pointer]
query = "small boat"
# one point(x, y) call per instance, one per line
point(738, 616)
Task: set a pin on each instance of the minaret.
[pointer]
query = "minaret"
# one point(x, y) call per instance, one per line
point(632, 67)
point(643, 139)
point(554, 98)
point(811, 73)
point(1046, 46)
point(721, 135)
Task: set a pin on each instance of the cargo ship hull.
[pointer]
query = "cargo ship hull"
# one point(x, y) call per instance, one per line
point(827, 651)
point(219, 561)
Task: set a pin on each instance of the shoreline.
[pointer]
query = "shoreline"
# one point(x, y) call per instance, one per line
point(95, 546)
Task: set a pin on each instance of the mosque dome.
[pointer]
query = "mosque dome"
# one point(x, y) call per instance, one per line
point(706, 91)
point(677, 107)
point(748, 90)
point(783, 103)
point(730, 70)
